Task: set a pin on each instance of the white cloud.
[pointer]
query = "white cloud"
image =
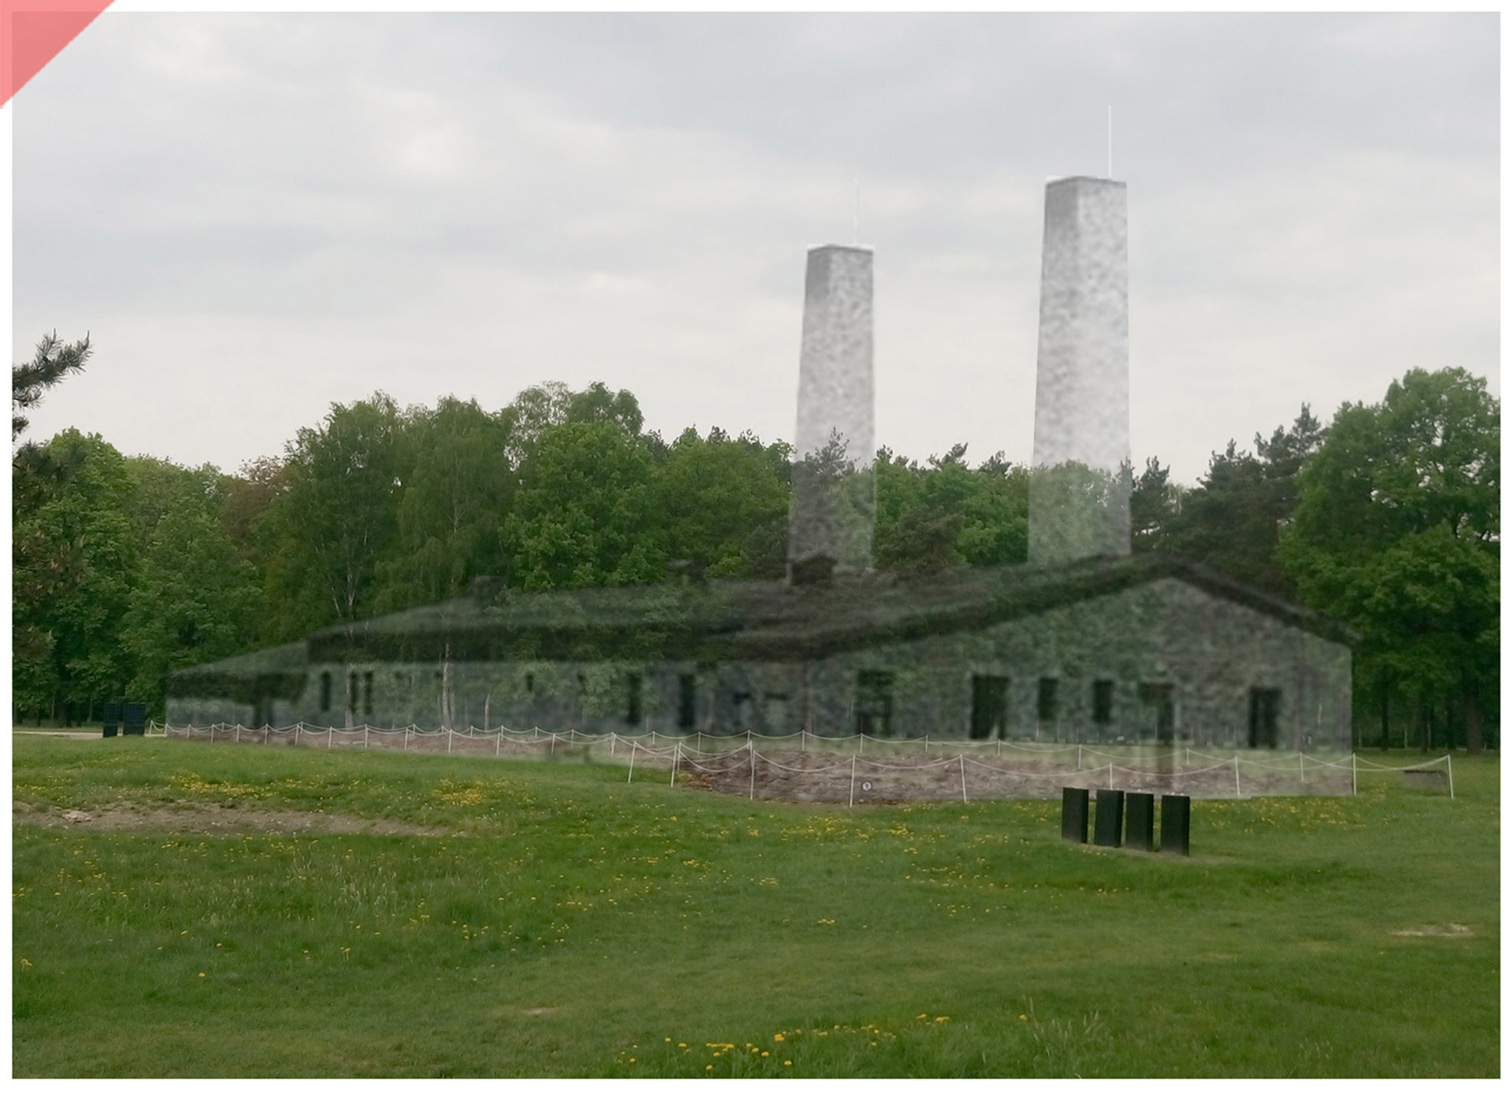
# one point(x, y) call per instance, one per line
point(257, 215)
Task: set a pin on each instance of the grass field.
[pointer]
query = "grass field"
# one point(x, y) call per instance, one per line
point(215, 910)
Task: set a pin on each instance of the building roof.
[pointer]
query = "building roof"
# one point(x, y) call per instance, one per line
point(768, 620)
point(720, 620)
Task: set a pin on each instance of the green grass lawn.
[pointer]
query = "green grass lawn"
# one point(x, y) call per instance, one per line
point(553, 920)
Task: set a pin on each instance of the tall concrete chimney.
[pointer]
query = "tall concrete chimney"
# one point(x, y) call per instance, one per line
point(1079, 484)
point(834, 503)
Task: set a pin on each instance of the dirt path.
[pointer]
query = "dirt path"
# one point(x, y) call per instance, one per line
point(215, 820)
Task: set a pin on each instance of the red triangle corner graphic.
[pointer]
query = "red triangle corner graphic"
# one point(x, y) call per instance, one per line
point(33, 32)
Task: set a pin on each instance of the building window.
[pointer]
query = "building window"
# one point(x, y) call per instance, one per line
point(633, 698)
point(1264, 716)
point(1048, 707)
point(874, 703)
point(687, 693)
point(325, 692)
point(989, 706)
point(1102, 702)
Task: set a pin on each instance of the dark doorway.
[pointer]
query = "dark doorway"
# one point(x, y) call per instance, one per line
point(633, 698)
point(1264, 716)
point(989, 706)
point(874, 703)
point(687, 714)
point(1047, 709)
point(1102, 702)
point(1161, 700)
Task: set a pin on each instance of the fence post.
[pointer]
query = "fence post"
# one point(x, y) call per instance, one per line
point(498, 740)
point(853, 783)
point(631, 775)
point(1078, 756)
point(406, 738)
point(238, 732)
point(1449, 760)
point(676, 755)
point(1301, 771)
point(1237, 792)
point(330, 732)
point(449, 735)
point(364, 737)
point(962, 758)
point(753, 768)
point(1354, 776)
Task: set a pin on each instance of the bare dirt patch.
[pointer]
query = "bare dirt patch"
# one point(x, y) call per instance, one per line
point(204, 819)
point(826, 776)
point(1453, 929)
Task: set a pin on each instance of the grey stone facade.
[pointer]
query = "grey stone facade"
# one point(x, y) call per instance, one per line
point(1108, 651)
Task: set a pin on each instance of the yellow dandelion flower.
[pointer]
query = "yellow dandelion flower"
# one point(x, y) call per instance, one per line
point(788, 1063)
point(779, 1037)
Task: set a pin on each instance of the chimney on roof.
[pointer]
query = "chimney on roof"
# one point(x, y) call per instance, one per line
point(834, 502)
point(1080, 480)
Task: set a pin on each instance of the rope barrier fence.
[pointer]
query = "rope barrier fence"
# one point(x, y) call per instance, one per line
point(805, 766)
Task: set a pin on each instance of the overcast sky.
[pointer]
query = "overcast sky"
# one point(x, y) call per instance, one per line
point(257, 215)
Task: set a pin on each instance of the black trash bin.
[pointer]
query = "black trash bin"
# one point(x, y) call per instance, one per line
point(1139, 821)
point(111, 715)
point(1074, 815)
point(1110, 810)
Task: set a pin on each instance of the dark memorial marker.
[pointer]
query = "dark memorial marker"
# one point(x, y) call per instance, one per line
point(1140, 818)
point(1109, 817)
point(1175, 825)
point(1074, 815)
point(133, 719)
point(112, 717)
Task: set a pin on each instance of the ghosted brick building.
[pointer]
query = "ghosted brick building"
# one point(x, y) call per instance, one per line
point(1104, 650)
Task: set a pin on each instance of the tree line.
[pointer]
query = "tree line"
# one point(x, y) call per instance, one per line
point(126, 568)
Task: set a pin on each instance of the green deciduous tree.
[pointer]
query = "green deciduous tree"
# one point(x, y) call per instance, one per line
point(456, 493)
point(945, 513)
point(337, 520)
point(74, 543)
point(195, 598)
point(724, 501)
point(1397, 531)
point(585, 513)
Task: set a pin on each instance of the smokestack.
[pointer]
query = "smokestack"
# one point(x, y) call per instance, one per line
point(834, 490)
point(1079, 485)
